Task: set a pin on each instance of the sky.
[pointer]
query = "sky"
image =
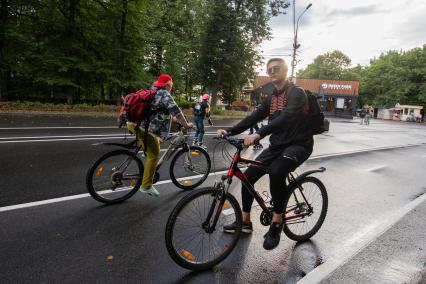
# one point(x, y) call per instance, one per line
point(360, 29)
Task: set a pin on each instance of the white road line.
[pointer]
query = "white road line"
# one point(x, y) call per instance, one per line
point(58, 127)
point(364, 151)
point(83, 195)
point(378, 168)
point(63, 136)
point(71, 138)
point(55, 140)
point(83, 127)
point(49, 201)
point(362, 240)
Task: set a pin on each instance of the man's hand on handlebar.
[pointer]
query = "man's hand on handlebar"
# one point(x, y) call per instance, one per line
point(221, 133)
point(251, 139)
point(189, 125)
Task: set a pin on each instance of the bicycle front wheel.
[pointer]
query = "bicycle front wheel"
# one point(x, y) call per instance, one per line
point(190, 167)
point(115, 177)
point(192, 240)
point(306, 208)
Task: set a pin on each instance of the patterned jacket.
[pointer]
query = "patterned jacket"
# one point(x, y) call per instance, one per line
point(163, 105)
point(288, 124)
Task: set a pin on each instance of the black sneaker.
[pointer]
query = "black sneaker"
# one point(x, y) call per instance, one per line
point(247, 228)
point(272, 237)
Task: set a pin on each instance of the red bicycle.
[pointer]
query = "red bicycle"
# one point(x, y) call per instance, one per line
point(194, 232)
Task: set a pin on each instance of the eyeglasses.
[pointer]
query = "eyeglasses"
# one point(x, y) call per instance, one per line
point(273, 70)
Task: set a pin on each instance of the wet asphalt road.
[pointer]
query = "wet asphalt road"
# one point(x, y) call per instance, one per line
point(73, 241)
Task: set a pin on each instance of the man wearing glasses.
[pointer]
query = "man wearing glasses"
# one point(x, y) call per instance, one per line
point(291, 144)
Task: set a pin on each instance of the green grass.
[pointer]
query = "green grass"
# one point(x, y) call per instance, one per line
point(38, 106)
point(27, 106)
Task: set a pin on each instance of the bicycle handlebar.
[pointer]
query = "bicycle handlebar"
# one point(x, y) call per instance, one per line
point(237, 142)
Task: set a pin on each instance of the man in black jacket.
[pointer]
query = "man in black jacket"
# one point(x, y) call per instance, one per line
point(291, 144)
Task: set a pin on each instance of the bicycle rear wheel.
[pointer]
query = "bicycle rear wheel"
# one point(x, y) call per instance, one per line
point(190, 168)
point(188, 240)
point(305, 209)
point(115, 177)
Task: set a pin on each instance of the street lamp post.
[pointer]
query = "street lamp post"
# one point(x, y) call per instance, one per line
point(295, 44)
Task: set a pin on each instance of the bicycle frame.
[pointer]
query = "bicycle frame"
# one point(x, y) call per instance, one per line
point(179, 140)
point(234, 170)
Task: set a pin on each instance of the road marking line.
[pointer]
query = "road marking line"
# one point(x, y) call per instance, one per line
point(80, 138)
point(64, 136)
point(58, 127)
point(37, 203)
point(53, 140)
point(358, 244)
point(83, 195)
point(82, 127)
point(364, 151)
point(375, 169)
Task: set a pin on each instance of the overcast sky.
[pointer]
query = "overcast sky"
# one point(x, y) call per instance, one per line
point(361, 29)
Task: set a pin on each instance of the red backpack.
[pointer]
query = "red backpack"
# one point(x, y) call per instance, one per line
point(136, 107)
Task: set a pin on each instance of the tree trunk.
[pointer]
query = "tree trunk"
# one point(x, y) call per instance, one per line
point(69, 91)
point(4, 12)
point(216, 88)
point(121, 40)
point(158, 60)
point(103, 92)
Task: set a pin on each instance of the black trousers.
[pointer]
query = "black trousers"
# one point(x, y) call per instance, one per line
point(281, 162)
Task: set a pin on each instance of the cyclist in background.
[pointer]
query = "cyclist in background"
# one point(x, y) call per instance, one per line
point(291, 144)
point(162, 106)
point(200, 110)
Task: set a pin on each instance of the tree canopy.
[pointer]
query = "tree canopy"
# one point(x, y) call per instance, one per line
point(96, 50)
point(394, 77)
point(333, 65)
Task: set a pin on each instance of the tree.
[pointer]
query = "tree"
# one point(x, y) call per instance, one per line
point(396, 77)
point(95, 50)
point(233, 31)
point(332, 65)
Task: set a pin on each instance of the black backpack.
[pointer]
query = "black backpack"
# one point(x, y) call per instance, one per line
point(197, 109)
point(318, 123)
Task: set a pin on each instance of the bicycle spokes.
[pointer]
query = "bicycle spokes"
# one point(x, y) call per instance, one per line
point(304, 210)
point(198, 236)
point(115, 176)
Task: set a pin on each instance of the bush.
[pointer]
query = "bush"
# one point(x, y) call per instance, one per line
point(183, 103)
point(216, 110)
point(38, 106)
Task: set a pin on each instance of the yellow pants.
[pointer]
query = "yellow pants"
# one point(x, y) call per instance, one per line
point(152, 152)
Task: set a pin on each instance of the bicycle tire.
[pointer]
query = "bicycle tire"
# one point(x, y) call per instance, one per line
point(289, 230)
point(190, 185)
point(177, 254)
point(92, 172)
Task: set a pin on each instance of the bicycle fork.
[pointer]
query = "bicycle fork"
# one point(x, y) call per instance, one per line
point(220, 197)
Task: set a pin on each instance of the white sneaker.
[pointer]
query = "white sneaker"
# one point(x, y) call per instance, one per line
point(202, 146)
point(151, 191)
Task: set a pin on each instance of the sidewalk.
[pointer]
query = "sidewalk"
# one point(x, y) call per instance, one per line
point(396, 256)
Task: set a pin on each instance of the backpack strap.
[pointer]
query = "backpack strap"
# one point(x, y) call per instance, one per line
point(145, 136)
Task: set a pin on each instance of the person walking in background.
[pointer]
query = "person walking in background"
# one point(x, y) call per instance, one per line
point(362, 116)
point(200, 110)
point(367, 118)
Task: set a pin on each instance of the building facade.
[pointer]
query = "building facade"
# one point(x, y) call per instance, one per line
point(336, 97)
